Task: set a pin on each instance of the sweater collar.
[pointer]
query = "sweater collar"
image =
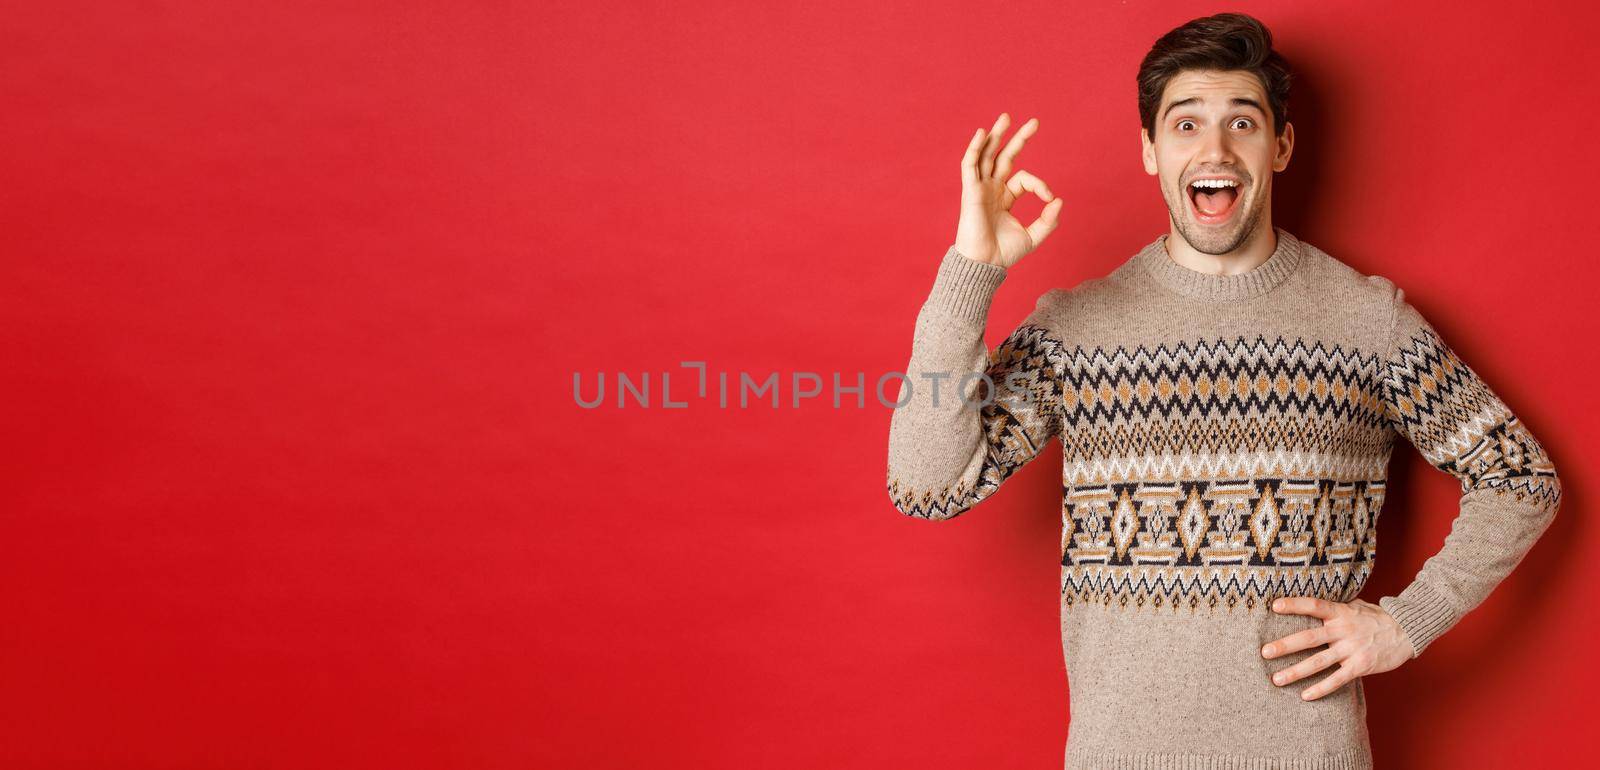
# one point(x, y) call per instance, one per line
point(1211, 287)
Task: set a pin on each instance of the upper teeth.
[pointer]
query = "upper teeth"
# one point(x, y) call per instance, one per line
point(1214, 183)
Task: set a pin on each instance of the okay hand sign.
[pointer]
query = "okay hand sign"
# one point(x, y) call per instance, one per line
point(987, 231)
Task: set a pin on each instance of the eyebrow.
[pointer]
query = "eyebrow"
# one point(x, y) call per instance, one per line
point(1237, 100)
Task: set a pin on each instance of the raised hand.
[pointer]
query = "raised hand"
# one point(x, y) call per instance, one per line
point(987, 231)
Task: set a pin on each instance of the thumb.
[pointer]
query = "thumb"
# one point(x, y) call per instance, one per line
point(1049, 219)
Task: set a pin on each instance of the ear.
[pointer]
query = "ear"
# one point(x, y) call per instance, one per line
point(1280, 159)
point(1149, 152)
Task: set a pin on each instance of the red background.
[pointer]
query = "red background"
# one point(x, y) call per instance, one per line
point(293, 295)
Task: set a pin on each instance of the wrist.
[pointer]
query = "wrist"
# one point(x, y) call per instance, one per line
point(992, 261)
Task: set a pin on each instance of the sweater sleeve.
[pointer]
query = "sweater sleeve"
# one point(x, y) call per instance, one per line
point(1509, 487)
point(966, 419)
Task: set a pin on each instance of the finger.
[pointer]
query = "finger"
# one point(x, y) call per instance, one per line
point(1300, 640)
point(1002, 166)
point(992, 146)
point(1335, 680)
point(1305, 605)
point(1048, 221)
point(1022, 180)
point(1307, 667)
point(969, 161)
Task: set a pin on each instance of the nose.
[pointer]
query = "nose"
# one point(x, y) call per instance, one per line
point(1217, 147)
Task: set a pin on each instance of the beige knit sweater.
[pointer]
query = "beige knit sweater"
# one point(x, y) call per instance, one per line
point(1225, 441)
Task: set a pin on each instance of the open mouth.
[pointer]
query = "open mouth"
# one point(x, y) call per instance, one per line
point(1213, 199)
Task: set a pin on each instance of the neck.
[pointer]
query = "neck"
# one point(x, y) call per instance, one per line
point(1256, 249)
point(1243, 273)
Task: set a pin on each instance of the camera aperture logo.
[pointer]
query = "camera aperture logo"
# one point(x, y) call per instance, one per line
point(741, 389)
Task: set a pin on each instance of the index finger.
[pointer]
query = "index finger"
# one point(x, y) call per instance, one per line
point(1304, 605)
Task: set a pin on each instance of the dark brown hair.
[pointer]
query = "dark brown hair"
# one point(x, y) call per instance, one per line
point(1226, 41)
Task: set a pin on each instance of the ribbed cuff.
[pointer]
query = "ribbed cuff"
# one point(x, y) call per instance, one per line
point(965, 287)
point(1422, 614)
point(1353, 758)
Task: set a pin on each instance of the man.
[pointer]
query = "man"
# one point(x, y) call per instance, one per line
point(1227, 401)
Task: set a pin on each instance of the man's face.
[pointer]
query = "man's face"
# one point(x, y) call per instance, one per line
point(1215, 151)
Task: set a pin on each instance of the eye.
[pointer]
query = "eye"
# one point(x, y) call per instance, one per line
point(1186, 125)
point(1243, 123)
